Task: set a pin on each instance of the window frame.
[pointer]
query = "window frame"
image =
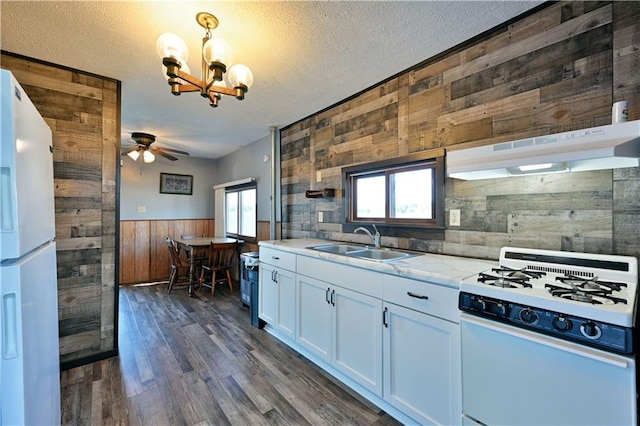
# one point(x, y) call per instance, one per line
point(239, 189)
point(433, 159)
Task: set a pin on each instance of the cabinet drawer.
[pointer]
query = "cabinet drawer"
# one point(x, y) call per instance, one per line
point(440, 301)
point(279, 258)
point(349, 277)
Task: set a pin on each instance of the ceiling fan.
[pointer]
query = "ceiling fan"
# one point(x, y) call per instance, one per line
point(143, 147)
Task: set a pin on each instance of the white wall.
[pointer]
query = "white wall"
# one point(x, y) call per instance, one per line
point(140, 183)
point(140, 186)
point(249, 161)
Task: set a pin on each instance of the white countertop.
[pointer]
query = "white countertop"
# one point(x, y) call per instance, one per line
point(433, 268)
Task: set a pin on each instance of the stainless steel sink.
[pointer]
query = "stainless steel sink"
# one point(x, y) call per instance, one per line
point(363, 252)
point(338, 248)
point(380, 255)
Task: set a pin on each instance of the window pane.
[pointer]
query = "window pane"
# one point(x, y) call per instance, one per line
point(232, 212)
point(370, 197)
point(412, 195)
point(248, 213)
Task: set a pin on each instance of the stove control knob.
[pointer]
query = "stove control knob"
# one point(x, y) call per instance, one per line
point(479, 304)
point(562, 324)
point(528, 316)
point(590, 330)
point(501, 309)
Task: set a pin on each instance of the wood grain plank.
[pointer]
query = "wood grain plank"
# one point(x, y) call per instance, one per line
point(141, 253)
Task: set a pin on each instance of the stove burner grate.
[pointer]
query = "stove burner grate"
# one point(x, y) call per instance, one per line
point(598, 296)
point(590, 283)
point(503, 281)
point(518, 273)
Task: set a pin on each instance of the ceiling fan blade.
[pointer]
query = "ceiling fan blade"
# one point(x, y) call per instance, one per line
point(165, 155)
point(158, 149)
point(177, 151)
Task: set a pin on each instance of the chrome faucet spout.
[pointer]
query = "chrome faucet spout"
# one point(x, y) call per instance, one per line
point(374, 238)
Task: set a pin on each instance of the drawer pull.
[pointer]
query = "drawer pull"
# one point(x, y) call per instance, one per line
point(275, 257)
point(417, 296)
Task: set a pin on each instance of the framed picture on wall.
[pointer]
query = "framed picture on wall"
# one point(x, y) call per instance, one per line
point(176, 184)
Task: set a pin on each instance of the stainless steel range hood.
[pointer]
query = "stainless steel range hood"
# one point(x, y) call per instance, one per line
point(605, 147)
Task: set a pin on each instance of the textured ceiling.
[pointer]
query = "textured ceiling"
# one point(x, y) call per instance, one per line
point(305, 56)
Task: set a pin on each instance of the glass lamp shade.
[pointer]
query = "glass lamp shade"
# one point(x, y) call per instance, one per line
point(217, 50)
point(220, 83)
point(134, 155)
point(240, 75)
point(183, 68)
point(171, 46)
point(148, 157)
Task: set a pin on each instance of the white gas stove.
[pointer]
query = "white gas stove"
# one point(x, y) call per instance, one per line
point(582, 297)
point(548, 338)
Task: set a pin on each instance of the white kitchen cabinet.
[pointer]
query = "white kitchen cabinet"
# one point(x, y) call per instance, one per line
point(357, 337)
point(314, 331)
point(339, 326)
point(277, 290)
point(422, 374)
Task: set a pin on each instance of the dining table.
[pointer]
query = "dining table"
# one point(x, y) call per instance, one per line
point(192, 245)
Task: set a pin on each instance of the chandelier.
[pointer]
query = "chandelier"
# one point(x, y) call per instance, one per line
point(216, 58)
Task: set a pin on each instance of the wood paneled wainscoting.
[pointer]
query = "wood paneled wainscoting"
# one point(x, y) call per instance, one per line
point(143, 248)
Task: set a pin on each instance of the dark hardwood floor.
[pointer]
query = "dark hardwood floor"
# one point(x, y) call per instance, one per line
point(188, 361)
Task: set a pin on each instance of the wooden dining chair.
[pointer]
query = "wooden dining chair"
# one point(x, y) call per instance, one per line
point(217, 268)
point(179, 265)
point(200, 257)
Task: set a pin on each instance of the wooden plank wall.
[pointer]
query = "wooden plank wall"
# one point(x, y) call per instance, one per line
point(143, 249)
point(83, 111)
point(556, 70)
point(626, 85)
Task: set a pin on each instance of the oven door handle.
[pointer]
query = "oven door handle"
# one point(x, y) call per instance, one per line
point(585, 351)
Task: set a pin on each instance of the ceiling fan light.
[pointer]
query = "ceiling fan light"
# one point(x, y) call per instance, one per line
point(217, 50)
point(240, 75)
point(171, 46)
point(133, 155)
point(148, 157)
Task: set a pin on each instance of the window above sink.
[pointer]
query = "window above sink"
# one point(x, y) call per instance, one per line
point(406, 192)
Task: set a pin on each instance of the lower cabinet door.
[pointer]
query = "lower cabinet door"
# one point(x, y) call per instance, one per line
point(286, 306)
point(422, 365)
point(357, 329)
point(314, 317)
point(268, 294)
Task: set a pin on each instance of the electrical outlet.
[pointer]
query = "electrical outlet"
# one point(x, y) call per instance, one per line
point(142, 209)
point(454, 217)
point(318, 176)
point(320, 217)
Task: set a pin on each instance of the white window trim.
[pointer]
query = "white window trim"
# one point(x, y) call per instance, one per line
point(219, 200)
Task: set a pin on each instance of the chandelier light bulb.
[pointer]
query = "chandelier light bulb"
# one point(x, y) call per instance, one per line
point(171, 46)
point(134, 155)
point(220, 83)
point(148, 157)
point(217, 50)
point(240, 75)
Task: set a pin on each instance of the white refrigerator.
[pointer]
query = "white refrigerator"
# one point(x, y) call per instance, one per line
point(30, 356)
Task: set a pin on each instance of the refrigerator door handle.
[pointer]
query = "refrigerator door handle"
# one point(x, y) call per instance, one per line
point(9, 326)
point(6, 200)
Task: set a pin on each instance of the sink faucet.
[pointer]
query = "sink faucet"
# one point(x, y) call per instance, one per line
point(375, 238)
